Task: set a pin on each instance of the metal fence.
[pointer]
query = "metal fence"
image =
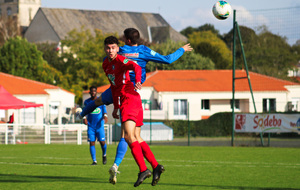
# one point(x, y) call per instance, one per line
point(47, 134)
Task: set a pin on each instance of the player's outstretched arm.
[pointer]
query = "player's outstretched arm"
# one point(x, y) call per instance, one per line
point(166, 59)
point(187, 47)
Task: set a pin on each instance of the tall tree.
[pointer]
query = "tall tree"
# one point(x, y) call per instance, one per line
point(206, 27)
point(83, 54)
point(8, 28)
point(52, 55)
point(21, 58)
point(210, 45)
point(265, 52)
point(190, 60)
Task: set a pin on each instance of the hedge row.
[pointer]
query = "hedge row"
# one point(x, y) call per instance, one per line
point(219, 124)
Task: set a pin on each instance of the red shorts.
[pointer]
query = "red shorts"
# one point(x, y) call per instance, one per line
point(131, 108)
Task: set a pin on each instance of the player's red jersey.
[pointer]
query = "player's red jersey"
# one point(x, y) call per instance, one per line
point(117, 71)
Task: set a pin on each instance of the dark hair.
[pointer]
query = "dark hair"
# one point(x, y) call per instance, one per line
point(111, 40)
point(93, 87)
point(132, 34)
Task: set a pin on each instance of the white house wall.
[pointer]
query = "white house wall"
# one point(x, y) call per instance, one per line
point(39, 111)
point(146, 93)
point(281, 100)
point(294, 94)
point(219, 102)
point(64, 99)
point(63, 96)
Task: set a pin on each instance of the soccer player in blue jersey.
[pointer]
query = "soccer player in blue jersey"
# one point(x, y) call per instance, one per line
point(95, 122)
point(141, 55)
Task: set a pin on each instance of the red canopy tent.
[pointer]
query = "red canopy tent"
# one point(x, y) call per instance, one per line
point(8, 101)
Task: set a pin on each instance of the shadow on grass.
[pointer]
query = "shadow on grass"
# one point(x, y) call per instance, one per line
point(48, 163)
point(58, 164)
point(15, 178)
point(228, 187)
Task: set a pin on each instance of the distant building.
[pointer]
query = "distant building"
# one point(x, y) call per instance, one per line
point(24, 9)
point(57, 102)
point(295, 72)
point(198, 94)
point(53, 25)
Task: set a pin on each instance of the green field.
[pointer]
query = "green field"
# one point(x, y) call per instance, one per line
point(68, 167)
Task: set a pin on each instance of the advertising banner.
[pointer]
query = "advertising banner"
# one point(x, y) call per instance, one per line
point(267, 123)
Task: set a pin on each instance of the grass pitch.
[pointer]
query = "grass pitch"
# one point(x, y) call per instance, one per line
point(68, 167)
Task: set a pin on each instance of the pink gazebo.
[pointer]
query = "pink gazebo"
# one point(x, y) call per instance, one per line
point(8, 101)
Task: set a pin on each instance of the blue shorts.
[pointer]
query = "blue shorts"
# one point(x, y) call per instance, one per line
point(107, 97)
point(96, 133)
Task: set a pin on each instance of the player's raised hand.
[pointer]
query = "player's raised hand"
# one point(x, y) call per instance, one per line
point(138, 86)
point(115, 114)
point(187, 47)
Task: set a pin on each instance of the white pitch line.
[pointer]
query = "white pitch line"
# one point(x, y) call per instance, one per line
point(41, 164)
point(230, 162)
point(187, 162)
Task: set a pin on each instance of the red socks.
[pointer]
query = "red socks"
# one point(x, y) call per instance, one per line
point(137, 153)
point(148, 154)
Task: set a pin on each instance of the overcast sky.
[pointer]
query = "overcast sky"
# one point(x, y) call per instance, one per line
point(179, 14)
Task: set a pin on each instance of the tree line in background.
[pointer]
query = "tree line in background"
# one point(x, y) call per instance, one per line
point(79, 65)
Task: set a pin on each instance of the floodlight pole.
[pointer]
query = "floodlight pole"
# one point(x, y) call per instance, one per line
point(150, 122)
point(245, 64)
point(236, 29)
point(189, 127)
point(233, 79)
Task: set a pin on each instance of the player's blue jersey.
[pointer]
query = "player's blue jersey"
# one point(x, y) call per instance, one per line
point(142, 55)
point(96, 118)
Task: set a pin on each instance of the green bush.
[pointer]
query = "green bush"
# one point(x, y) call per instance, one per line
point(219, 124)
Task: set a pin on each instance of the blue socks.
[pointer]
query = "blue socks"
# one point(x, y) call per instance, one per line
point(93, 152)
point(89, 108)
point(104, 150)
point(121, 151)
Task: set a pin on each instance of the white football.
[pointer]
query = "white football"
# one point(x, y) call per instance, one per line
point(222, 10)
point(78, 110)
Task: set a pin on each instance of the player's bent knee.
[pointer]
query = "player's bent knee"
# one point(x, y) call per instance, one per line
point(129, 139)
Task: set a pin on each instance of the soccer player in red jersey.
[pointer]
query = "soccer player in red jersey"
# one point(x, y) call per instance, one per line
point(125, 98)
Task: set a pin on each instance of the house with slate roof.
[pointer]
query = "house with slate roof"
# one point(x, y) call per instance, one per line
point(57, 102)
point(53, 25)
point(201, 93)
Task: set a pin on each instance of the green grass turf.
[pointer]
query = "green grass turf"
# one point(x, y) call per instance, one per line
point(68, 167)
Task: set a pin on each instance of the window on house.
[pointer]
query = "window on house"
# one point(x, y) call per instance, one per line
point(8, 1)
point(236, 104)
point(8, 11)
point(30, 13)
point(205, 104)
point(180, 107)
point(28, 115)
point(54, 108)
point(295, 104)
point(269, 105)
